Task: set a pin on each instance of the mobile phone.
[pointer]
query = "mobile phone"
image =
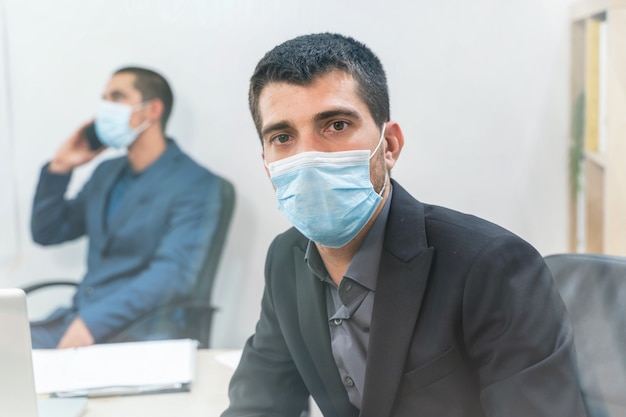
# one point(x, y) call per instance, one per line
point(92, 138)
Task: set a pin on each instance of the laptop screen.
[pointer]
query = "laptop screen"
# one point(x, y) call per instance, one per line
point(17, 383)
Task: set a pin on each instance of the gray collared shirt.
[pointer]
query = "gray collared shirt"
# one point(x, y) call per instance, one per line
point(350, 305)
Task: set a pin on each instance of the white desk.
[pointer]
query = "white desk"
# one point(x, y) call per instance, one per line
point(208, 396)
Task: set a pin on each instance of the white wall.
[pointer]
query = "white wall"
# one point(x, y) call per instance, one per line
point(9, 220)
point(480, 88)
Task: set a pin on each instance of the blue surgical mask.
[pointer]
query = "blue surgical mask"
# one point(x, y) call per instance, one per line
point(113, 124)
point(327, 196)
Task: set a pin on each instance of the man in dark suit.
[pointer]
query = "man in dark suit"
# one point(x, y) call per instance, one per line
point(376, 304)
point(148, 214)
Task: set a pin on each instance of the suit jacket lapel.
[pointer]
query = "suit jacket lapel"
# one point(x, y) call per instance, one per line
point(99, 203)
point(404, 268)
point(313, 323)
point(142, 190)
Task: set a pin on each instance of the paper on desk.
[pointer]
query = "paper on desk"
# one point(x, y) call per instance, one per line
point(158, 364)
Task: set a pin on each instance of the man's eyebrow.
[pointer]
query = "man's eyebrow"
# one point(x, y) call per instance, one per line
point(274, 127)
point(116, 94)
point(337, 112)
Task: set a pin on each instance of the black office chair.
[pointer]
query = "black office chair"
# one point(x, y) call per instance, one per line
point(593, 288)
point(190, 318)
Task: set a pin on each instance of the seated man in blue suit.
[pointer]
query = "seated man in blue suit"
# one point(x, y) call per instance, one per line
point(375, 303)
point(148, 215)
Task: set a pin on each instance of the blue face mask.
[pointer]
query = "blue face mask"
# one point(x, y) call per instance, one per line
point(113, 124)
point(327, 196)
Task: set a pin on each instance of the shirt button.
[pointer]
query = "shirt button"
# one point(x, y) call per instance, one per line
point(348, 287)
point(89, 290)
point(337, 322)
point(348, 382)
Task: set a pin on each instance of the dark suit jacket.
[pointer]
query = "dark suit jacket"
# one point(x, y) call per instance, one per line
point(466, 322)
point(150, 251)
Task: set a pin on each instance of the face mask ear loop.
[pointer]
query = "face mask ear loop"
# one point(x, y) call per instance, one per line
point(142, 105)
point(382, 136)
point(145, 124)
point(382, 190)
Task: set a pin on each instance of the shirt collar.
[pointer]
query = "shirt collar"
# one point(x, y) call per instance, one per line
point(171, 151)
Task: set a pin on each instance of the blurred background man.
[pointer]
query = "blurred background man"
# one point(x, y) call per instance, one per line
point(148, 215)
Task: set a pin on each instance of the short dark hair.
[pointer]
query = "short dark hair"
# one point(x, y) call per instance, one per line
point(300, 60)
point(152, 85)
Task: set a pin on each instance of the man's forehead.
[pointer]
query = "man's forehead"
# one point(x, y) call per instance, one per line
point(329, 80)
point(123, 82)
point(331, 90)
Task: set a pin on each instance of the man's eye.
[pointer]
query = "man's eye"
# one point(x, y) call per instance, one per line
point(280, 138)
point(339, 125)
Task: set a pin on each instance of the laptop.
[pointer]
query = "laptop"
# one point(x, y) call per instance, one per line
point(17, 382)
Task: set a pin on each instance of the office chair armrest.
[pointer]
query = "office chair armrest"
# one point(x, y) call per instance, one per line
point(36, 286)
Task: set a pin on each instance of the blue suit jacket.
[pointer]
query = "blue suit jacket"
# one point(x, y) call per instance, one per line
point(150, 251)
point(466, 323)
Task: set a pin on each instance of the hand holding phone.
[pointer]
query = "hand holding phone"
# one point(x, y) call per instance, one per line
point(77, 150)
point(92, 138)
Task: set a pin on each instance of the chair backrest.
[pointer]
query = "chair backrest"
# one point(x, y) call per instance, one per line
point(208, 270)
point(190, 318)
point(210, 263)
point(593, 288)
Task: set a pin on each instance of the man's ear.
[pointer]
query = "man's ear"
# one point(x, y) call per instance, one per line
point(155, 110)
point(394, 141)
